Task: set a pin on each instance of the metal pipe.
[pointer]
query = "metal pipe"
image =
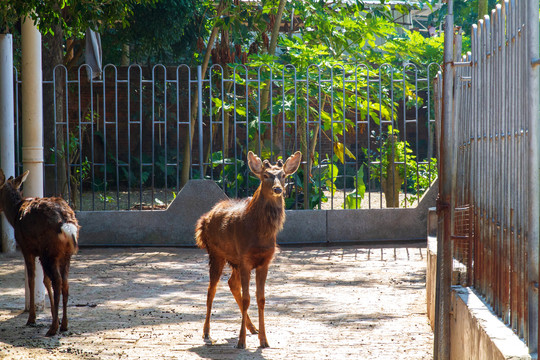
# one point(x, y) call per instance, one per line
point(7, 129)
point(447, 164)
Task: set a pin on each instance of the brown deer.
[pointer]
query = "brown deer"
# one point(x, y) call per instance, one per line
point(44, 228)
point(243, 234)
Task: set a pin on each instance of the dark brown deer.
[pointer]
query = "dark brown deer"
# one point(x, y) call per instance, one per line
point(44, 228)
point(243, 234)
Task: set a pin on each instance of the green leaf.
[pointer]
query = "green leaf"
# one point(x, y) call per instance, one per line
point(353, 200)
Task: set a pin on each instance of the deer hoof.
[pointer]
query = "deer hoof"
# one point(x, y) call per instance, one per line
point(208, 340)
point(241, 345)
point(51, 332)
point(252, 329)
point(264, 344)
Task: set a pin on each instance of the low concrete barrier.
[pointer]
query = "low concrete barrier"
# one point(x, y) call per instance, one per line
point(175, 225)
point(476, 333)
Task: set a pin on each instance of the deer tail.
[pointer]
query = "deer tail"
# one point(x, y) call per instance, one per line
point(70, 230)
point(200, 239)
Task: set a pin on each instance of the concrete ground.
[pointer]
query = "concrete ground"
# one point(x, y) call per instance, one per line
point(348, 302)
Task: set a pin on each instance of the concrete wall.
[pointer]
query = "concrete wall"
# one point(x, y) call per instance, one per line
point(476, 333)
point(175, 226)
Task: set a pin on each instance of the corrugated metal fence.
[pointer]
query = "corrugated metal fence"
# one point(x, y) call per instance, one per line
point(496, 146)
point(132, 136)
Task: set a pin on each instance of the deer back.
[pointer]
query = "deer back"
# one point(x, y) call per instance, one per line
point(39, 223)
point(41, 226)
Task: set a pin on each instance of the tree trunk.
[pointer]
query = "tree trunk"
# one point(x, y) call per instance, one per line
point(274, 36)
point(391, 186)
point(186, 165)
point(124, 60)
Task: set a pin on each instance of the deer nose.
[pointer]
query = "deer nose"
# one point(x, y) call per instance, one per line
point(277, 190)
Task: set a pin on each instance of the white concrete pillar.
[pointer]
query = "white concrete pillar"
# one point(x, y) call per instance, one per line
point(32, 128)
point(7, 131)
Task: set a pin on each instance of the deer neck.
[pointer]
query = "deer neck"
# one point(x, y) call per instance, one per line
point(267, 212)
point(11, 203)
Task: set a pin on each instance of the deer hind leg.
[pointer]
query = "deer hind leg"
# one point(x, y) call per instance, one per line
point(245, 274)
point(216, 268)
point(53, 272)
point(235, 286)
point(65, 295)
point(30, 262)
point(48, 286)
point(260, 280)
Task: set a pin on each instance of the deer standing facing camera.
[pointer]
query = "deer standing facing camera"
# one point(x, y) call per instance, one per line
point(243, 234)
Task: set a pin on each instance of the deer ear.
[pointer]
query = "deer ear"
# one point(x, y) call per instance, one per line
point(292, 163)
point(255, 163)
point(17, 182)
point(2, 177)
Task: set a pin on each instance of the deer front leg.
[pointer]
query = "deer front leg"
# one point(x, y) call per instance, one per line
point(235, 286)
point(30, 262)
point(245, 274)
point(260, 279)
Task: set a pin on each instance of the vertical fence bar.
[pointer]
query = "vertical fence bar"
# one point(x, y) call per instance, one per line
point(534, 173)
point(200, 118)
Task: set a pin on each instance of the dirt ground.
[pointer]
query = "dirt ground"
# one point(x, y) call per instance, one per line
point(149, 303)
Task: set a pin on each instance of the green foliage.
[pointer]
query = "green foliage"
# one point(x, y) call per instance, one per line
point(163, 32)
point(390, 150)
point(69, 153)
point(234, 175)
point(74, 16)
point(465, 13)
point(353, 199)
point(323, 177)
point(344, 28)
point(418, 175)
point(412, 47)
point(419, 182)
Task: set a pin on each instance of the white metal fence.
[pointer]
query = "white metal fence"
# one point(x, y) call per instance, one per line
point(131, 138)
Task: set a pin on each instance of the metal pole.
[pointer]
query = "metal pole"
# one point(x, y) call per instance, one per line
point(446, 178)
point(7, 131)
point(534, 174)
point(200, 118)
point(32, 125)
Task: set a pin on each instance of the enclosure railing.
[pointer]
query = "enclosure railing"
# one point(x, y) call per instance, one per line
point(131, 137)
point(495, 200)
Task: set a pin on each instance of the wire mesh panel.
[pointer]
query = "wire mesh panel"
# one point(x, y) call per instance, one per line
point(462, 241)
